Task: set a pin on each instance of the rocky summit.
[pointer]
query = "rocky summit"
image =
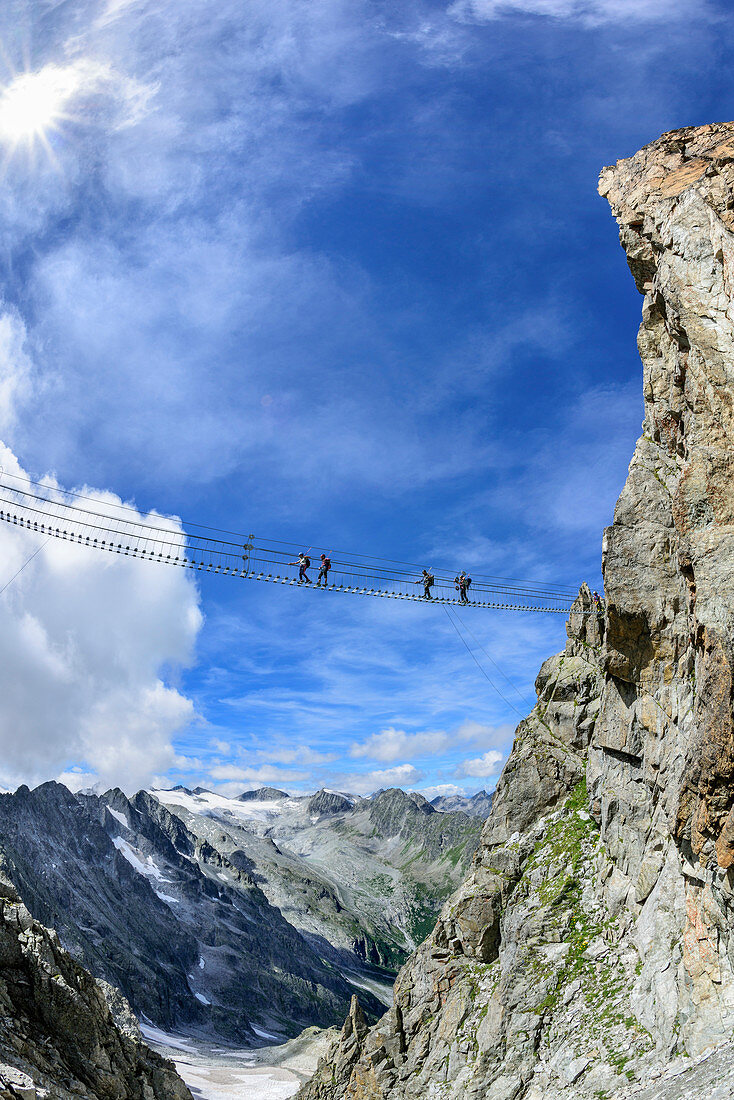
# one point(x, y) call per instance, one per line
point(590, 951)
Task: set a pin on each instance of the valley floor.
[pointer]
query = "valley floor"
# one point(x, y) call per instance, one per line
point(222, 1073)
point(275, 1073)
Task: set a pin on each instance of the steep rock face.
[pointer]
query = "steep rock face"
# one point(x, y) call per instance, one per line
point(662, 763)
point(478, 805)
point(325, 803)
point(394, 813)
point(57, 1037)
point(593, 940)
point(262, 794)
point(457, 982)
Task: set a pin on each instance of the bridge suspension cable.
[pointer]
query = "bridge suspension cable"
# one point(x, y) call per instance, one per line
point(120, 529)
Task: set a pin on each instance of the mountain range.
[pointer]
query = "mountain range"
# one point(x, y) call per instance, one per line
point(247, 918)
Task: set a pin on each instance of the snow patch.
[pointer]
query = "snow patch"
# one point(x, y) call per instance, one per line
point(120, 817)
point(217, 806)
point(144, 866)
point(348, 798)
point(265, 1034)
point(167, 898)
point(156, 1035)
point(202, 964)
point(200, 997)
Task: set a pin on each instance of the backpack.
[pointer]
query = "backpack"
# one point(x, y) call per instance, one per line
point(430, 579)
point(307, 563)
point(467, 582)
point(326, 563)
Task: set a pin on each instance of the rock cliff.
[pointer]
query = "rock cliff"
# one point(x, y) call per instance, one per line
point(58, 1040)
point(590, 952)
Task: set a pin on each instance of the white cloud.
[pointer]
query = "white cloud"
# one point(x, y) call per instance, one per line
point(403, 775)
point(587, 12)
point(84, 637)
point(15, 367)
point(263, 775)
point(299, 754)
point(482, 766)
point(113, 10)
point(392, 744)
point(76, 779)
point(174, 124)
point(443, 790)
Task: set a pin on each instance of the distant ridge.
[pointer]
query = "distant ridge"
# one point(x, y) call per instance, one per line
point(478, 805)
point(262, 794)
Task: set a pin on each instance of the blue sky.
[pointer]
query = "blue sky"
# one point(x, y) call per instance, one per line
point(335, 273)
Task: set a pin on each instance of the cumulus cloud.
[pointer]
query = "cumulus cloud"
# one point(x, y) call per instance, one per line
point(403, 775)
point(84, 641)
point(481, 766)
point(442, 790)
point(392, 744)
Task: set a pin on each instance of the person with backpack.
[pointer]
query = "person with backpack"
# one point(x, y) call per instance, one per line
point(303, 563)
point(427, 580)
point(324, 570)
point(464, 583)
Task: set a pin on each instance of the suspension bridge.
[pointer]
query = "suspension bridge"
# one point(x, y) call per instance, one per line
point(120, 529)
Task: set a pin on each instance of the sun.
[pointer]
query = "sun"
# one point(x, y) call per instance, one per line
point(32, 105)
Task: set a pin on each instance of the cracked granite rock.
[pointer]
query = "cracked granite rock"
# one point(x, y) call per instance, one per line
point(590, 951)
point(58, 1040)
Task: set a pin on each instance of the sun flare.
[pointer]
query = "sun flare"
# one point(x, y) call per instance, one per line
point(33, 103)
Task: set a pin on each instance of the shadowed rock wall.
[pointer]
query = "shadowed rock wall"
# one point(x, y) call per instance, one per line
point(58, 1040)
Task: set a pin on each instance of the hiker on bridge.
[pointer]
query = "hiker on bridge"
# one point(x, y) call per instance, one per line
point(303, 563)
point(324, 570)
point(427, 580)
point(462, 583)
